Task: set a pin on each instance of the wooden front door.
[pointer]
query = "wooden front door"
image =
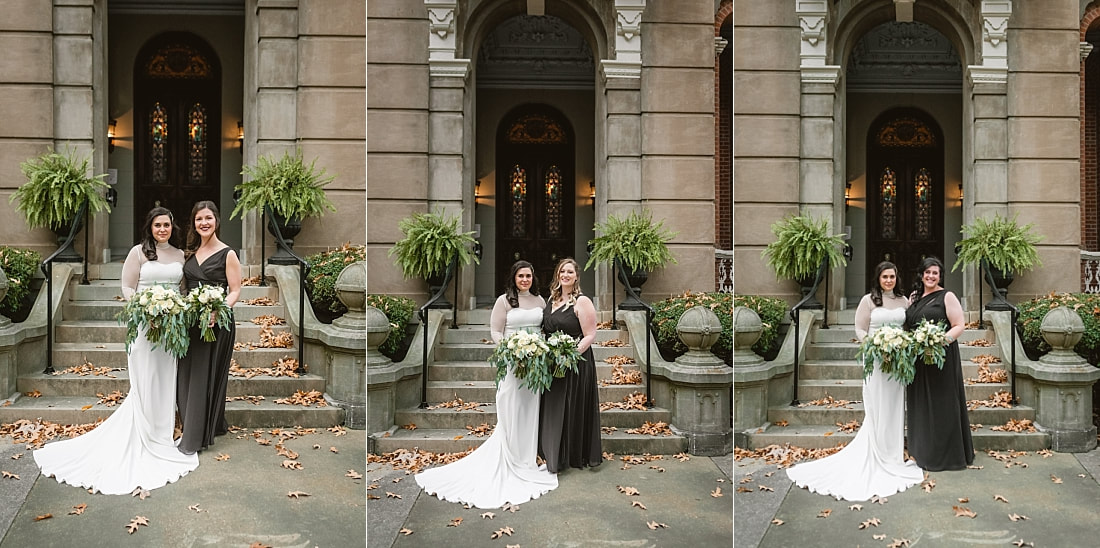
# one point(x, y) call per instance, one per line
point(177, 126)
point(535, 192)
point(904, 192)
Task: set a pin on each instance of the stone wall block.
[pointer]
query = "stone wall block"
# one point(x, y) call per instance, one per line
point(397, 41)
point(678, 90)
point(397, 131)
point(678, 177)
point(332, 17)
point(27, 15)
point(817, 138)
point(274, 114)
point(446, 135)
point(679, 45)
point(1052, 276)
point(771, 136)
point(27, 59)
point(72, 60)
point(332, 113)
point(1058, 223)
point(440, 99)
point(625, 174)
point(277, 63)
point(990, 182)
point(1044, 138)
point(782, 92)
point(1044, 180)
point(816, 181)
point(816, 104)
point(345, 160)
point(396, 9)
point(385, 276)
point(397, 176)
point(73, 20)
point(446, 177)
point(74, 113)
point(678, 134)
point(753, 276)
point(682, 218)
point(766, 49)
point(383, 217)
point(1045, 50)
point(277, 22)
point(686, 274)
point(990, 105)
point(624, 101)
point(1045, 15)
point(990, 141)
point(12, 154)
point(765, 179)
point(754, 222)
point(332, 61)
point(1060, 94)
point(678, 12)
point(345, 225)
point(623, 135)
point(763, 13)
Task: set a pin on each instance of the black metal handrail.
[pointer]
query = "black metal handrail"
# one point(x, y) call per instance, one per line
point(999, 301)
point(47, 269)
point(621, 273)
point(423, 315)
point(794, 313)
point(303, 271)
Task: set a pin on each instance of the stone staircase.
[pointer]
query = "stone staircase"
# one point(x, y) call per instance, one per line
point(87, 331)
point(461, 371)
point(830, 369)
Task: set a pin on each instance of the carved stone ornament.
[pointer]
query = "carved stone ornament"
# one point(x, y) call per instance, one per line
point(906, 132)
point(536, 129)
point(441, 19)
point(178, 61)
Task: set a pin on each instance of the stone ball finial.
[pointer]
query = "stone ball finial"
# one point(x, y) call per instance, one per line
point(1062, 329)
point(747, 329)
point(351, 286)
point(699, 328)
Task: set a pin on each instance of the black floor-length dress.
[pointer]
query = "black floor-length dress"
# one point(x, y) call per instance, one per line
point(203, 373)
point(938, 425)
point(569, 415)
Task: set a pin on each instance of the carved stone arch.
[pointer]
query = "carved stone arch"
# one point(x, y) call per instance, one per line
point(960, 24)
point(597, 27)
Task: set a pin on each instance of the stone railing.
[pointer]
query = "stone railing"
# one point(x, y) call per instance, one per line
point(1090, 271)
point(723, 270)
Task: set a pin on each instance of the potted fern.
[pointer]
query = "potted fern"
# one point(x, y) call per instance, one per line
point(431, 241)
point(57, 185)
point(801, 245)
point(290, 188)
point(636, 244)
point(1001, 245)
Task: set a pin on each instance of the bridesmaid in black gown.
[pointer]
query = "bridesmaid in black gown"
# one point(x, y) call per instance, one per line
point(203, 373)
point(939, 428)
point(569, 415)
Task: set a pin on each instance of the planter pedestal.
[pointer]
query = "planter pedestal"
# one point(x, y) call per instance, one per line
point(289, 228)
point(1063, 385)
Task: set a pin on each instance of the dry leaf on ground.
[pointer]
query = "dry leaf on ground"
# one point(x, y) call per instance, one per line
point(964, 512)
point(297, 494)
point(134, 523)
point(825, 513)
point(655, 525)
point(78, 509)
point(292, 465)
point(488, 515)
point(455, 522)
point(140, 493)
point(501, 532)
point(42, 517)
point(8, 475)
point(353, 474)
point(405, 531)
point(222, 457)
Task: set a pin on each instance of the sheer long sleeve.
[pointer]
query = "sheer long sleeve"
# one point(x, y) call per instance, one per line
point(131, 271)
point(863, 316)
point(498, 319)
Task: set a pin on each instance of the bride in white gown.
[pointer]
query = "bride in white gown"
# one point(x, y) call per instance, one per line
point(133, 447)
point(504, 468)
point(873, 464)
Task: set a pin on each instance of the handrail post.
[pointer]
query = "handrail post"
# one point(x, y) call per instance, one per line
point(87, 229)
point(825, 316)
point(301, 314)
point(49, 319)
point(263, 244)
point(614, 305)
point(454, 304)
point(1015, 313)
point(423, 314)
point(795, 316)
point(648, 361)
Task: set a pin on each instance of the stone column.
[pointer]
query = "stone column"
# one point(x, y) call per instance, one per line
point(699, 386)
point(346, 382)
point(1063, 385)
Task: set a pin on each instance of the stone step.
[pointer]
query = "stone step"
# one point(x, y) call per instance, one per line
point(485, 391)
point(850, 369)
point(108, 310)
point(114, 355)
point(812, 436)
point(464, 352)
point(68, 410)
point(852, 389)
point(475, 317)
point(847, 351)
point(110, 331)
point(69, 384)
point(985, 416)
point(484, 371)
point(432, 419)
point(109, 290)
point(454, 440)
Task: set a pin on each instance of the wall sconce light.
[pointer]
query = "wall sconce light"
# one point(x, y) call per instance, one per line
point(240, 135)
point(592, 190)
point(847, 194)
point(960, 193)
point(477, 192)
point(111, 135)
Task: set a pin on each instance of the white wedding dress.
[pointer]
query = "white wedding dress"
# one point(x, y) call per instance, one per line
point(133, 447)
point(873, 463)
point(503, 469)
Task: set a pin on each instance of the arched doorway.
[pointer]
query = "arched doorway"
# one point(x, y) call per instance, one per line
point(904, 190)
point(535, 188)
point(177, 113)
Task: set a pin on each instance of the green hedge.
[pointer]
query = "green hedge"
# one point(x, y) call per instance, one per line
point(667, 312)
point(19, 265)
point(1087, 306)
point(324, 267)
point(398, 311)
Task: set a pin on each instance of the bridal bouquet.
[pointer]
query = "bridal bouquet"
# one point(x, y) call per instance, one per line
point(525, 354)
point(161, 311)
point(893, 347)
point(928, 341)
point(204, 301)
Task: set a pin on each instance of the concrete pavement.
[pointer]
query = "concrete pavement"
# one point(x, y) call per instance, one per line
point(587, 509)
point(240, 500)
point(1058, 494)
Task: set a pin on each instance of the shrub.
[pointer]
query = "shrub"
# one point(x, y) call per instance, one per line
point(19, 265)
point(324, 267)
point(667, 313)
point(1086, 305)
point(399, 311)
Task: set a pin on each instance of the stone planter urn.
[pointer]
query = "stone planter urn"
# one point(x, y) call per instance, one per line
point(351, 289)
point(699, 328)
point(747, 329)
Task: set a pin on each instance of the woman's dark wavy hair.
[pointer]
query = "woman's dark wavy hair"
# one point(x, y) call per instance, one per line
point(193, 238)
point(876, 287)
point(148, 242)
point(928, 262)
point(511, 292)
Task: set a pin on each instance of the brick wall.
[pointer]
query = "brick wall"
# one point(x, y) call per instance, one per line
point(723, 132)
